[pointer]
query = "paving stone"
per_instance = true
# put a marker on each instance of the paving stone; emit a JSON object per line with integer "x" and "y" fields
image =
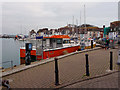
{"x": 71, "y": 69}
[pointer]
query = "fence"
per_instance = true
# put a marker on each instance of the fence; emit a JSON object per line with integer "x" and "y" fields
{"x": 11, "y": 62}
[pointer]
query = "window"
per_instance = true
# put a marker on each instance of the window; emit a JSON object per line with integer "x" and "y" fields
{"x": 82, "y": 40}
{"x": 66, "y": 41}
{"x": 59, "y": 41}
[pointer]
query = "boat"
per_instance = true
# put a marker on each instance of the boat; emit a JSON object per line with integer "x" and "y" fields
{"x": 49, "y": 47}
{"x": 86, "y": 43}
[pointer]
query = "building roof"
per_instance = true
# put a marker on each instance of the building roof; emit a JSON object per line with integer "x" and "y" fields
{"x": 116, "y": 22}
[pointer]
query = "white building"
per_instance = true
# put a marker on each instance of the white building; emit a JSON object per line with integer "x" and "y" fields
{"x": 33, "y": 36}
{"x": 112, "y": 35}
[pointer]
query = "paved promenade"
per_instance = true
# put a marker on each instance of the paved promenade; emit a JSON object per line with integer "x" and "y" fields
{"x": 71, "y": 70}
{"x": 108, "y": 81}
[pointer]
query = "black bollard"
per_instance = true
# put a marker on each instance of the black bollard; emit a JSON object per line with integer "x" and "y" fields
{"x": 56, "y": 72}
{"x": 91, "y": 43}
{"x": 87, "y": 65}
{"x": 111, "y": 61}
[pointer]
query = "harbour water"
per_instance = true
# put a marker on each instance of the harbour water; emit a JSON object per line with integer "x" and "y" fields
{"x": 10, "y": 51}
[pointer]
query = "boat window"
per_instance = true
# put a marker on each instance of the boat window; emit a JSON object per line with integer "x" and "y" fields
{"x": 53, "y": 40}
{"x": 72, "y": 42}
{"x": 82, "y": 40}
{"x": 82, "y": 44}
{"x": 63, "y": 41}
{"x": 59, "y": 41}
{"x": 66, "y": 41}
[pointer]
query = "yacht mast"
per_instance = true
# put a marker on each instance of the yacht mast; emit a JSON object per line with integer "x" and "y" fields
{"x": 73, "y": 27}
{"x": 85, "y": 31}
{"x": 76, "y": 28}
{"x": 80, "y": 22}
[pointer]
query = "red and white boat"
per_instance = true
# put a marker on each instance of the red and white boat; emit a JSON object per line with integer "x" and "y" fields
{"x": 52, "y": 46}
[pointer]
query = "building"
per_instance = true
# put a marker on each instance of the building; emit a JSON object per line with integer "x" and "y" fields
{"x": 32, "y": 34}
{"x": 115, "y": 26}
{"x": 42, "y": 32}
{"x": 90, "y": 31}
{"x": 67, "y": 30}
{"x": 114, "y": 29}
{"x": 84, "y": 30}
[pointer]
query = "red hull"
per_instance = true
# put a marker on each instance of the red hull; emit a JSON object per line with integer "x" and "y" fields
{"x": 49, "y": 54}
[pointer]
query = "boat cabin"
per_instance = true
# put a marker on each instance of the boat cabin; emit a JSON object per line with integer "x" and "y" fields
{"x": 56, "y": 41}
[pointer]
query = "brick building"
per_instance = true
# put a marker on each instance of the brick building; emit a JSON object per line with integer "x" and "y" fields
{"x": 115, "y": 26}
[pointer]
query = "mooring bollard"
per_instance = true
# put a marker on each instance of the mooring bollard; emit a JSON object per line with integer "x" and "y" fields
{"x": 111, "y": 61}
{"x": 28, "y": 48}
{"x": 56, "y": 72}
{"x": 91, "y": 43}
{"x": 87, "y": 65}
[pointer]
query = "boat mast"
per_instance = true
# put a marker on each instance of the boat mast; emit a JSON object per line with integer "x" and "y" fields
{"x": 80, "y": 22}
{"x": 73, "y": 27}
{"x": 76, "y": 28}
{"x": 80, "y": 17}
{"x": 85, "y": 31}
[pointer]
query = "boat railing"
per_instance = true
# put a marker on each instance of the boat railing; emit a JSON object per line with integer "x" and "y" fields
{"x": 11, "y": 62}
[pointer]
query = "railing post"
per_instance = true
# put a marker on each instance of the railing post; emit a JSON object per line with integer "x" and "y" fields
{"x": 111, "y": 60}
{"x": 87, "y": 66}
{"x": 56, "y": 72}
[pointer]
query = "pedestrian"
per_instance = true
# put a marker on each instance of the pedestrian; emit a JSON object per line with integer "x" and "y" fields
{"x": 107, "y": 43}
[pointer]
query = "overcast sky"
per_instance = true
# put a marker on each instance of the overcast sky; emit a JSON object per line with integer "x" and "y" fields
{"x": 21, "y": 17}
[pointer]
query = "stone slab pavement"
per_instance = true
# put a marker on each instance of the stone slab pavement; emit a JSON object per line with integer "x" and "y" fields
{"x": 71, "y": 69}
{"x": 109, "y": 81}
{"x": 22, "y": 67}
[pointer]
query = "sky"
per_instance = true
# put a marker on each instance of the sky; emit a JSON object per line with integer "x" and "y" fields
{"x": 119, "y": 11}
{"x": 21, "y": 17}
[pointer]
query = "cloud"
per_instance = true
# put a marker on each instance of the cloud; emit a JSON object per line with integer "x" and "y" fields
{"x": 53, "y": 14}
{"x": 59, "y": 0}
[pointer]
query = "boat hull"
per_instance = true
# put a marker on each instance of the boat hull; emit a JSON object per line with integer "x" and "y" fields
{"x": 48, "y": 53}
{"x": 88, "y": 47}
